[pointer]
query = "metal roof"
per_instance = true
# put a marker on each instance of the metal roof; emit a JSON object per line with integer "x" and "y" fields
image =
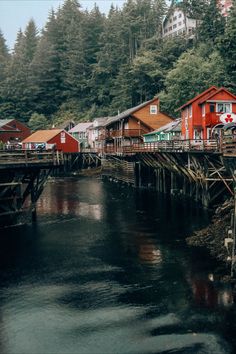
{"x": 42, "y": 136}
{"x": 5, "y": 122}
{"x": 81, "y": 127}
{"x": 172, "y": 126}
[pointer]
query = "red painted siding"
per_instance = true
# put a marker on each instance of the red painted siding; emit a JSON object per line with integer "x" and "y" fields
{"x": 194, "y": 121}
{"x": 70, "y": 144}
{"x": 19, "y": 131}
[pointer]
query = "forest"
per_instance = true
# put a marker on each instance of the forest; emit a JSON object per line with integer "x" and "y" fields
{"x": 85, "y": 64}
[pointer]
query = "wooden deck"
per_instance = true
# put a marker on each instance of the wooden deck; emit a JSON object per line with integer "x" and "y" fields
{"x": 20, "y": 158}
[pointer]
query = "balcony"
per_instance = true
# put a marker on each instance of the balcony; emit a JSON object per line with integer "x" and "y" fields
{"x": 212, "y": 118}
{"x": 127, "y": 133}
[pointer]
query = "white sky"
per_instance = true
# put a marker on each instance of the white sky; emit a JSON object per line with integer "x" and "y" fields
{"x": 15, "y": 14}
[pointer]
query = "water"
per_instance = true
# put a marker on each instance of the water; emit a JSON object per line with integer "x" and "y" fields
{"x": 106, "y": 270}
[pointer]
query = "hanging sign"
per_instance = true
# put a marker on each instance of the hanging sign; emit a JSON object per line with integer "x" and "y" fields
{"x": 228, "y": 118}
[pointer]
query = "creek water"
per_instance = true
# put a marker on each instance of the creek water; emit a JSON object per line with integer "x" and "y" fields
{"x": 106, "y": 269}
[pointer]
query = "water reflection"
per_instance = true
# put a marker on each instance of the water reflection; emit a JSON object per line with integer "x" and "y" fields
{"x": 211, "y": 294}
{"x": 66, "y": 201}
{"x": 116, "y": 277}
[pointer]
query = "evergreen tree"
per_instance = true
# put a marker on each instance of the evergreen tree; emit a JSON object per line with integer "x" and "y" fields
{"x": 194, "y": 72}
{"x": 227, "y": 48}
{"x": 213, "y": 24}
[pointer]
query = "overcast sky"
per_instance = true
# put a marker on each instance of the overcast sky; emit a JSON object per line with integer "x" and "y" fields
{"x": 15, "y": 14}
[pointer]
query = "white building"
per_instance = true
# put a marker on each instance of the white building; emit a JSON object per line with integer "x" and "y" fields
{"x": 176, "y": 23}
{"x": 224, "y": 6}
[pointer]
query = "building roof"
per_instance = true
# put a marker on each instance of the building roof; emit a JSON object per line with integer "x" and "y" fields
{"x": 100, "y": 122}
{"x": 174, "y": 126}
{"x": 208, "y": 91}
{"x": 212, "y": 94}
{"x": 42, "y": 136}
{"x": 81, "y": 127}
{"x": 4, "y": 122}
{"x": 128, "y": 112}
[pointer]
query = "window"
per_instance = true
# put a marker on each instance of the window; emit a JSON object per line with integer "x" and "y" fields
{"x": 190, "y": 110}
{"x": 224, "y": 107}
{"x": 212, "y": 107}
{"x": 180, "y": 15}
{"x": 153, "y": 109}
{"x": 175, "y": 18}
{"x": 180, "y": 23}
{"x": 174, "y": 26}
{"x": 203, "y": 110}
{"x": 170, "y": 28}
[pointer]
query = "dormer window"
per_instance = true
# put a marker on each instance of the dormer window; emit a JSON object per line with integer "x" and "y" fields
{"x": 224, "y": 107}
{"x": 153, "y": 109}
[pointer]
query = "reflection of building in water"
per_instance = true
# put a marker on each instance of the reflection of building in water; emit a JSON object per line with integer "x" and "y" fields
{"x": 143, "y": 246}
{"x": 149, "y": 253}
{"x": 211, "y": 294}
{"x": 63, "y": 201}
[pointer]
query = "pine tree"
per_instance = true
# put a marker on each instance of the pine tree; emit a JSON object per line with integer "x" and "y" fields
{"x": 227, "y": 48}
{"x": 213, "y": 24}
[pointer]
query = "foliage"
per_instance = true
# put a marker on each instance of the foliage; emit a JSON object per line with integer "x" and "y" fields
{"x": 38, "y": 122}
{"x": 85, "y": 65}
{"x": 201, "y": 69}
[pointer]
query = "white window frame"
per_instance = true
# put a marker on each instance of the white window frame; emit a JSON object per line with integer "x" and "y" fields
{"x": 208, "y": 133}
{"x": 153, "y": 109}
{"x": 224, "y": 104}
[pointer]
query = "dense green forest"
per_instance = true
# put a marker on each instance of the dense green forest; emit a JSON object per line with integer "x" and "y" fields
{"x": 85, "y": 64}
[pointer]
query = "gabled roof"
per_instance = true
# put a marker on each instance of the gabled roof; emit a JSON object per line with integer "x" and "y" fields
{"x": 128, "y": 112}
{"x": 172, "y": 126}
{"x": 208, "y": 91}
{"x": 42, "y": 136}
{"x": 81, "y": 127}
{"x": 100, "y": 122}
{"x": 4, "y": 122}
{"x": 212, "y": 94}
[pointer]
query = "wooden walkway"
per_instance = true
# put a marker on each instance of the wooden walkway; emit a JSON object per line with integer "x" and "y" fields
{"x": 19, "y": 158}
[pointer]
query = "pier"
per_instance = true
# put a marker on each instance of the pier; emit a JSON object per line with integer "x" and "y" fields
{"x": 23, "y": 175}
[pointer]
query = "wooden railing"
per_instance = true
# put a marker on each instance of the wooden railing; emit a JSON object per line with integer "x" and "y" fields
{"x": 128, "y": 133}
{"x": 228, "y": 145}
{"x": 165, "y": 145}
{"x": 29, "y": 156}
{"x": 174, "y": 145}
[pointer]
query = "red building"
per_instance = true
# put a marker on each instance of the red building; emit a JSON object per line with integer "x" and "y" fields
{"x": 58, "y": 139}
{"x": 211, "y": 108}
{"x": 13, "y": 131}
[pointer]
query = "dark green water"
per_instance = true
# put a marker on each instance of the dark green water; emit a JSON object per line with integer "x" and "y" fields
{"x": 106, "y": 270}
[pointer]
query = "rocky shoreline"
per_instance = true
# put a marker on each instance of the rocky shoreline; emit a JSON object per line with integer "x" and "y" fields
{"x": 213, "y": 236}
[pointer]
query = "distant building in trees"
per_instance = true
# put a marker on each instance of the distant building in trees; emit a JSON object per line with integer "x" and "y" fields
{"x": 224, "y": 6}
{"x": 177, "y": 23}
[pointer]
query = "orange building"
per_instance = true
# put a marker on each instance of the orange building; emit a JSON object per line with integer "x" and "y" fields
{"x": 211, "y": 108}
{"x": 128, "y": 127}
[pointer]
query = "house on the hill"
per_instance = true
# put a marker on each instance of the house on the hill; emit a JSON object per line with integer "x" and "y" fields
{"x": 57, "y": 139}
{"x": 13, "y": 131}
{"x": 206, "y": 112}
{"x": 128, "y": 127}
{"x": 178, "y": 23}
